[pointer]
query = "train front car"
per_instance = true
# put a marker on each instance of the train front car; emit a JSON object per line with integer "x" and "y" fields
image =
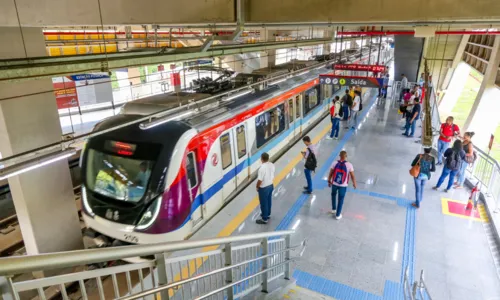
{"x": 133, "y": 189}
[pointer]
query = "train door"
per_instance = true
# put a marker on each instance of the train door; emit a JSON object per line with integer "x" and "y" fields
{"x": 241, "y": 154}
{"x": 298, "y": 116}
{"x": 228, "y": 165}
{"x": 194, "y": 185}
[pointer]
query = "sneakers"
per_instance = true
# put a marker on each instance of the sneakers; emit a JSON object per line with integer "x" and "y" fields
{"x": 329, "y": 138}
{"x": 333, "y": 211}
{"x": 336, "y": 138}
{"x": 307, "y": 192}
{"x": 261, "y": 222}
{"x": 338, "y": 217}
{"x": 414, "y": 205}
{"x": 445, "y": 190}
{"x": 435, "y": 188}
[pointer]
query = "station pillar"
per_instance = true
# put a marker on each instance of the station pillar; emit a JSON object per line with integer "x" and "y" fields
{"x": 268, "y": 57}
{"x": 481, "y": 115}
{"x": 43, "y": 198}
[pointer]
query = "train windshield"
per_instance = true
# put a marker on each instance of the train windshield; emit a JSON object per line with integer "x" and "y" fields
{"x": 117, "y": 177}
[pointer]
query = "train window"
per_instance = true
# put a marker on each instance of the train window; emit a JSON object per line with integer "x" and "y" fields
{"x": 290, "y": 110}
{"x": 310, "y": 100}
{"x": 297, "y": 107}
{"x": 225, "y": 150}
{"x": 269, "y": 124}
{"x": 191, "y": 170}
{"x": 241, "y": 141}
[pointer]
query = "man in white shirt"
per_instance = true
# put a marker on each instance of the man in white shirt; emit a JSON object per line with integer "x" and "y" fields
{"x": 355, "y": 110}
{"x": 338, "y": 180}
{"x": 265, "y": 188}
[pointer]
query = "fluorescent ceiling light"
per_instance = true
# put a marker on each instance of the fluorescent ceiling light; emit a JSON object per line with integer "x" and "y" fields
{"x": 35, "y": 163}
{"x": 159, "y": 121}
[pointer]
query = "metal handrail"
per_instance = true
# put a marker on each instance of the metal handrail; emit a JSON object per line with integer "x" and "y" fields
{"x": 177, "y": 283}
{"x": 33, "y": 263}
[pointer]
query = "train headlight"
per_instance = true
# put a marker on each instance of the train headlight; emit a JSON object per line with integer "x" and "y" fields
{"x": 85, "y": 202}
{"x": 150, "y": 215}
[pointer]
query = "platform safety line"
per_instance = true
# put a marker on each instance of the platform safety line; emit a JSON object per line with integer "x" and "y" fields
{"x": 194, "y": 264}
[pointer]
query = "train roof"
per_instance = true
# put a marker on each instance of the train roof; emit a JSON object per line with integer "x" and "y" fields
{"x": 160, "y": 102}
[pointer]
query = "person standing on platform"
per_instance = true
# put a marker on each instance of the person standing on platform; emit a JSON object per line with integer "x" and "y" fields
{"x": 454, "y": 157}
{"x": 427, "y": 165}
{"x": 338, "y": 180}
{"x": 355, "y": 110}
{"x": 346, "y": 104}
{"x": 386, "y": 85}
{"x": 470, "y": 157}
{"x": 265, "y": 178}
{"x": 411, "y": 118}
{"x": 335, "y": 112}
{"x": 404, "y": 87}
{"x": 310, "y": 163}
{"x": 447, "y": 132}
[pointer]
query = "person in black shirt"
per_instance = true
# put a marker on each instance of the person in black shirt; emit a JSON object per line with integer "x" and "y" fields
{"x": 346, "y": 104}
{"x": 411, "y": 118}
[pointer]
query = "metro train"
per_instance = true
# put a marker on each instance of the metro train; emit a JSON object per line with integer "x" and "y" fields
{"x": 163, "y": 183}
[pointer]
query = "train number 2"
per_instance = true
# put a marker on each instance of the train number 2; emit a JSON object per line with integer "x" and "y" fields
{"x": 131, "y": 238}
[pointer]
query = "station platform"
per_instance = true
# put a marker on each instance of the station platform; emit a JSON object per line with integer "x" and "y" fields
{"x": 364, "y": 255}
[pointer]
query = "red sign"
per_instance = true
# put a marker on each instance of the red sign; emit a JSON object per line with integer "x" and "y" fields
{"x": 161, "y": 68}
{"x": 356, "y": 67}
{"x": 65, "y": 93}
{"x": 175, "y": 79}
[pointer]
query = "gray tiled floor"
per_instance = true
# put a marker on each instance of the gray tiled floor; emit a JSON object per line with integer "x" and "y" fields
{"x": 365, "y": 248}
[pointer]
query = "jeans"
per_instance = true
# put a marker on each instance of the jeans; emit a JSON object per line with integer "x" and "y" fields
{"x": 341, "y": 190}
{"x": 442, "y": 146}
{"x": 265, "y": 200}
{"x": 408, "y": 126}
{"x": 354, "y": 119}
{"x": 447, "y": 172}
{"x": 419, "y": 189}
{"x": 345, "y": 108}
{"x": 335, "y": 127}
{"x": 461, "y": 174}
{"x": 307, "y": 172}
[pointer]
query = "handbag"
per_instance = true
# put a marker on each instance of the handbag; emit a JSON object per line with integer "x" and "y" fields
{"x": 415, "y": 170}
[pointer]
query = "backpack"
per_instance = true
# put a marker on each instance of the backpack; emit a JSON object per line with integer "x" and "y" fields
{"x": 453, "y": 161}
{"x": 341, "y": 112}
{"x": 311, "y": 162}
{"x": 360, "y": 103}
{"x": 425, "y": 166}
{"x": 340, "y": 173}
{"x": 349, "y": 101}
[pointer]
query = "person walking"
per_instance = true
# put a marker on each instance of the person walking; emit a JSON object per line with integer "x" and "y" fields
{"x": 470, "y": 157}
{"x": 454, "y": 157}
{"x": 411, "y": 118}
{"x": 335, "y": 115}
{"x": 427, "y": 165}
{"x": 355, "y": 110}
{"x": 346, "y": 103}
{"x": 310, "y": 163}
{"x": 265, "y": 178}
{"x": 338, "y": 180}
{"x": 447, "y": 132}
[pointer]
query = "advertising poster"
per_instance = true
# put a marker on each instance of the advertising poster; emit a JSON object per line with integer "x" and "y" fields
{"x": 65, "y": 92}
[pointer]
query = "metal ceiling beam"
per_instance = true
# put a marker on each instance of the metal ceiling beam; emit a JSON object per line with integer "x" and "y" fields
{"x": 48, "y": 67}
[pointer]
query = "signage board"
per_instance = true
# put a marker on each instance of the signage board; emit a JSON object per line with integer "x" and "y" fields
{"x": 356, "y": 67}
{"x": 367, "y": 82}
{"x": 65, "y": 92}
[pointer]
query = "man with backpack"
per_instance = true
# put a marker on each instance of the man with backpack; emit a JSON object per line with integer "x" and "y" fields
{"x": 346, "y": 104}
{"x": 310, "y": 163}
{"x": 338, "y": 180}
{"x": 454, "y": 157}
{"x": 336, "y": 114}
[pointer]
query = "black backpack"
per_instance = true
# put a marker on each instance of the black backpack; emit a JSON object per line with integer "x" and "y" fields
{"x": 360, "y": 103}
{"x": 311, "y": 162}
{"x": 454, "y": 161}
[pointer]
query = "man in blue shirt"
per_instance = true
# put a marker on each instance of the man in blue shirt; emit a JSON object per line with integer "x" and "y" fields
{"x": 386, "y": 85}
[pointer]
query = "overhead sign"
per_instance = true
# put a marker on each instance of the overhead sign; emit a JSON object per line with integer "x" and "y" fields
{"x": 356, "y": 67}
{"x": 369, "y": 82}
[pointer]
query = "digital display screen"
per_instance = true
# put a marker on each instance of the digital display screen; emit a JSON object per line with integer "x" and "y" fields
{"x": 120, "y": 148}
